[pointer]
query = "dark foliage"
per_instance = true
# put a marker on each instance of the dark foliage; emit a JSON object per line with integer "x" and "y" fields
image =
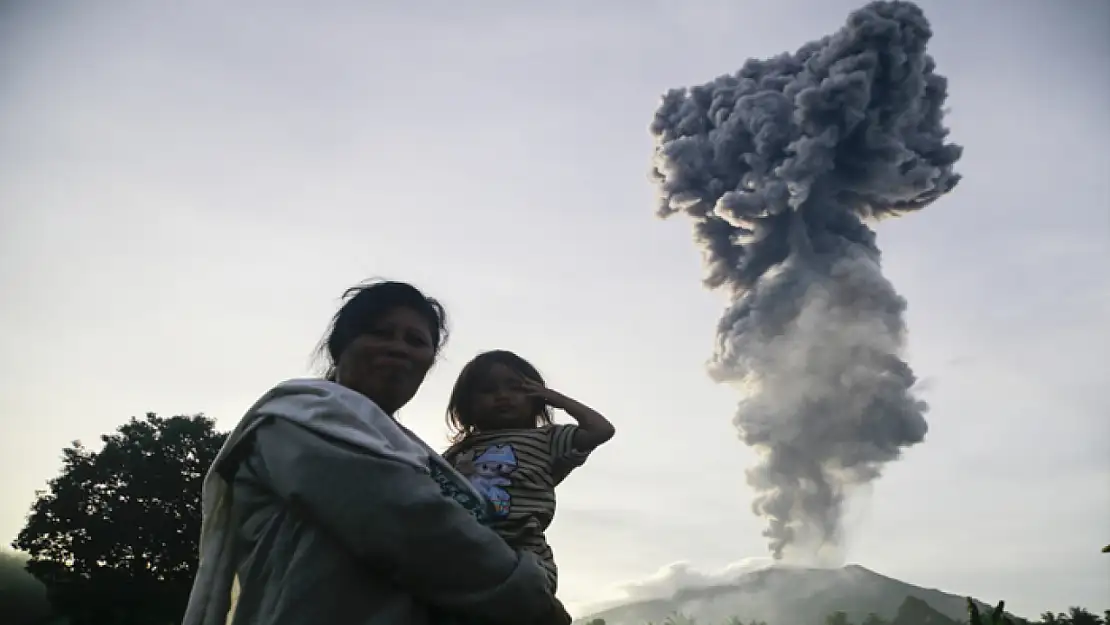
{"x": 114, "y": 537}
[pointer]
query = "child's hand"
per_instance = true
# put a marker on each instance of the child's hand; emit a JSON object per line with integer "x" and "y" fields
{"x": 552, "y": 398}
{"x": 593, "y": 429}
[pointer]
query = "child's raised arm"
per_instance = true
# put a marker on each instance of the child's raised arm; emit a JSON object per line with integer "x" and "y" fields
{"x": 593, "y": 428}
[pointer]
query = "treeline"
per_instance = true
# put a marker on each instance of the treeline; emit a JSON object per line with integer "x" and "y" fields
{"x": 113, "y": 538}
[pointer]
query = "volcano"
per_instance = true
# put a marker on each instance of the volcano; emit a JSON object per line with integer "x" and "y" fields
{"x": 787, "y": 595}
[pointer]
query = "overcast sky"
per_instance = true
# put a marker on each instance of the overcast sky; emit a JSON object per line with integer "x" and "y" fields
{"x": 186, "y": 188}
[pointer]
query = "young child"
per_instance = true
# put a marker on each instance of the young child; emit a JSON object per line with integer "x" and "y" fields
{"x": 506, "y": 442}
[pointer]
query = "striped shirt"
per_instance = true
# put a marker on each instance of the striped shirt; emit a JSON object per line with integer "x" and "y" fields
{"x": 517, "y": 470}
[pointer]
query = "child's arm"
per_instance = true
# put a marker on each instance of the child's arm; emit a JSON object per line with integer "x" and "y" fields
{"x": 593, "y": 429}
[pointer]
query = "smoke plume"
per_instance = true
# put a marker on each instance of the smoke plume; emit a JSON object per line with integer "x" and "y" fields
{"x": 779, "y": 165}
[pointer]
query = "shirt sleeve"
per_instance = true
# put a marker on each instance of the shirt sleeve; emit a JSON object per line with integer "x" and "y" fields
{"x": 564, "y": 457}
{"x": 396, "y": 520}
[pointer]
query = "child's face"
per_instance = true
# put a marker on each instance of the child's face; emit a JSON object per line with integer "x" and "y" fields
{"x": 500, "y": 400}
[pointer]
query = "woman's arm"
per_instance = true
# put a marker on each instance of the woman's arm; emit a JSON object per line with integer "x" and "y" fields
{"x": 397, "y": 521}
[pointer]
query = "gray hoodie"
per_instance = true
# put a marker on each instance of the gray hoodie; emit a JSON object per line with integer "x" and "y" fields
{"x": 325, "y": 531}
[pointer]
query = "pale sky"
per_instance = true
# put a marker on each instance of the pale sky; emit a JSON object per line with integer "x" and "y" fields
{"x": 186, "y": 188}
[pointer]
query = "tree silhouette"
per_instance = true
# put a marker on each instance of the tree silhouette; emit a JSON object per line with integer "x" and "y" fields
{"x": 114, "y": 537}
{"x": 997, "y": 616}
{"x": 1082, "y": 616}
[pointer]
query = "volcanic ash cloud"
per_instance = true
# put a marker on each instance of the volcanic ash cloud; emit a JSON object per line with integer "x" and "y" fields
{"x": 780, "y": 166}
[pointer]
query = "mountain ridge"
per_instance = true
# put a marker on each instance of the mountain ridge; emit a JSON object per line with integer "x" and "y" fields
{"x": 788, "y": 595}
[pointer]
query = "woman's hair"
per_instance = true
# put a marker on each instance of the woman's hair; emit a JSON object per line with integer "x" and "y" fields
{"x": 365, "y": 304}
{"x": 460, "y": 419}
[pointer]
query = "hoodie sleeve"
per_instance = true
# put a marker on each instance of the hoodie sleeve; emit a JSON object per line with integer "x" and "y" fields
{"x": 396, "y": 520}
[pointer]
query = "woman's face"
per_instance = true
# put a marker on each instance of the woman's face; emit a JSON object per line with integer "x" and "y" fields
{"x": 389, "y": 362}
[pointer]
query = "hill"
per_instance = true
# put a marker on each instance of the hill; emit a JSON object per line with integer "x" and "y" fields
{"x": 790, "y": 596}
{"x": 22, "y": 597}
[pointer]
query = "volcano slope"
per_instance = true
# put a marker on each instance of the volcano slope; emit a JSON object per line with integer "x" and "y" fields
{"x": 785, "y": 595}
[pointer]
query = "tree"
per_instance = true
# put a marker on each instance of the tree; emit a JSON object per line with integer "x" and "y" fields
{"x": 115, "y": 536}
{"x": 1082, "y": 616}
{"x": 997, "y": 616}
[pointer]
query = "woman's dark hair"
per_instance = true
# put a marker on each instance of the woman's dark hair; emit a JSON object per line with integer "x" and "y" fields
{"x": 365, "y": 304}
{"x": 460, "y": 420}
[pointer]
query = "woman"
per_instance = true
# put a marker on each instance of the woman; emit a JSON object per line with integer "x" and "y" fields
{"x": 324, "y": 509}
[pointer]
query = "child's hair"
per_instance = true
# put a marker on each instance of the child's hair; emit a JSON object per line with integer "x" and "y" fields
{"x": 460, "y": 421}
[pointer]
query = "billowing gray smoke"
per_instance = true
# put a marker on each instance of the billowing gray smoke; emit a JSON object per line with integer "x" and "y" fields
{"x": 779, "y": 165}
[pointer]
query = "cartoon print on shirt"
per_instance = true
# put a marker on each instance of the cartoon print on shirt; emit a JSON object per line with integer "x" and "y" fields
{"x": 489, "y": 471}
